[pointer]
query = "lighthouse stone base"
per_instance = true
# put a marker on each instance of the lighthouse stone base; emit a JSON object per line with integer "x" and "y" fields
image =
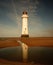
{"x": 24, "y": 35}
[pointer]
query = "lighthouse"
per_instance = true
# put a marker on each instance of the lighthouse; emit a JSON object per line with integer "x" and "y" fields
{"x": 25, "y": 24}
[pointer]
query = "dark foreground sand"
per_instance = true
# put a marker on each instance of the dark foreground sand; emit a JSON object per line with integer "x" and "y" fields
{"x": 6, "y": 62}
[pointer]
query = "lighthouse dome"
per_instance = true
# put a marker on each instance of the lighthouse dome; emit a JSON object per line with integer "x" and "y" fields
{"x": 24, "y": 12}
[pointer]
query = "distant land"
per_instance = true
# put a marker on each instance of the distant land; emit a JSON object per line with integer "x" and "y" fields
{"x": 31, "y": 41}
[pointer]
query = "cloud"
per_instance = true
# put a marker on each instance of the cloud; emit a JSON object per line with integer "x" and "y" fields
{"x": 38, "y": 29}
{"x": 37, "y": 2}
{"x": 50, "y": 32}
{"x": 42, "y": 33}
{"x": 11, "y": 19}
{"x": 8, "y": 31}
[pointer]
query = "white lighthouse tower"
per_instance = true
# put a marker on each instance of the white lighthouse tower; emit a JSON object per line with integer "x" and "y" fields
{"x": 25, "y": 24}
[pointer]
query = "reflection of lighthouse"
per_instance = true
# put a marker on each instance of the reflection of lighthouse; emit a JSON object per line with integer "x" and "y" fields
{"x": 25, "y": 25}
{"x": 24, "y": 51}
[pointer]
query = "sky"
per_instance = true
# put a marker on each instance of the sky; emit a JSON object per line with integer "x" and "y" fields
{"x": 40, "y": 21}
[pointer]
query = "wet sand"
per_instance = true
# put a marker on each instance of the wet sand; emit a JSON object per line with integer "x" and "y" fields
{"x": 31, "y": 41}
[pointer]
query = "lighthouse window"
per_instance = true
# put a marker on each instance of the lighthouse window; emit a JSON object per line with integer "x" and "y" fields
{"x": 25, "y": 28}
